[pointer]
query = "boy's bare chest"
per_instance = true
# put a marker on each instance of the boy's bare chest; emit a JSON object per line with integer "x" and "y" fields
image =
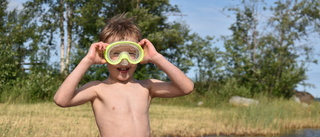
{"x": 125, "y": 99}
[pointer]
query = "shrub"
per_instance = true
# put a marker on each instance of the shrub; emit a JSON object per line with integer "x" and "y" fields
{"x": 34, "y": 87}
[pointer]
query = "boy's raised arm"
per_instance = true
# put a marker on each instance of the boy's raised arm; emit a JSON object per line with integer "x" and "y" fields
{"x": 67, "y": 95}
{"x": 180, "y": 84}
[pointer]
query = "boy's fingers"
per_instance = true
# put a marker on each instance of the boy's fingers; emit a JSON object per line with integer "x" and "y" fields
{"x": 100, "y": 46}
{"x": 142, "y": 42}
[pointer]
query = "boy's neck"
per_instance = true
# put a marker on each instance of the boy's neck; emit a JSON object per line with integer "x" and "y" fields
{"x": 113, "y": 81}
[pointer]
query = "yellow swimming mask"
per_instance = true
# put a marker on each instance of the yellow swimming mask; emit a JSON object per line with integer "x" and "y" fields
{"x": 123, "y": 51}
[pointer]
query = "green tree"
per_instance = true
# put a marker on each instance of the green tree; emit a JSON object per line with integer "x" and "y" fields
{"x": 269, "y": 58}
{"x": 19, "y": 46}
{"x": 206, "y": 58}
{"x": 15, "y": 31}
{"x": 292, "y": 22}
{"x": 169, "y": 38}
{"x": 49, "y": 18}
{"x": 56, "y": 22}
{"x": 243, "y": 47}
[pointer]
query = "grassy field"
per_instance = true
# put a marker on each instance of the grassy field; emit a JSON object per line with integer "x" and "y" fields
{"x": 270, "y": 117}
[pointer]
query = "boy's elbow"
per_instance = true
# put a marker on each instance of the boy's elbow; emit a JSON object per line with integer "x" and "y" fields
{"x": 189, "y": 89}
{"x": 59, "y": 102}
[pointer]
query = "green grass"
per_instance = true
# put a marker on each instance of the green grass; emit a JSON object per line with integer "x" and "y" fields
{"x": 269, "y": 117}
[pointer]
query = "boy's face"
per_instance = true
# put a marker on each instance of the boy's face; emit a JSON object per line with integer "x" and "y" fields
{"x": 122, "y": 73}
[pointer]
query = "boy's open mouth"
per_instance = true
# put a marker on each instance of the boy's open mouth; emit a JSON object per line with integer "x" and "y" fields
{"x": 123, "y": 70}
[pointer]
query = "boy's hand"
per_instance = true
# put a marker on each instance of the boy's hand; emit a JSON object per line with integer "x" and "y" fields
{"x": 150, "y": 52}
{"x": 95, "y": 54}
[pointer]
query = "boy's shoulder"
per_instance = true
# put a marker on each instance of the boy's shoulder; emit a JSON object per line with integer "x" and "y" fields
{"x": 94, "y": 83}
{"x": 149, "y": 82}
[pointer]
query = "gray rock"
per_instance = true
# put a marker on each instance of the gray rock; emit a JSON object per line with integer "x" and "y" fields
{"x": 242, "y": 101}
{"x": 303, "y": 97}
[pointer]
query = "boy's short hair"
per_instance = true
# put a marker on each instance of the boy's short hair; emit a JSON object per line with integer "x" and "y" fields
{"x": 120, "y": 28}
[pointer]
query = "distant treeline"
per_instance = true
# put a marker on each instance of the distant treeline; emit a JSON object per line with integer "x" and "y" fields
{"x": 268, "y": 51}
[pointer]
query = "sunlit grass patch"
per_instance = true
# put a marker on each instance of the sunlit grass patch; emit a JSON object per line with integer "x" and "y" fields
{"x": 269, "y": 117}
{"x": 46, "y": 119}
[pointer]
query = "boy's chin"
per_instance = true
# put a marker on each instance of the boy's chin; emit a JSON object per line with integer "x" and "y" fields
{"x": 124, "y": 78}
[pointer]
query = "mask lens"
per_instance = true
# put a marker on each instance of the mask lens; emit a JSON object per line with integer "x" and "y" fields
{"x": 116, "y": 51}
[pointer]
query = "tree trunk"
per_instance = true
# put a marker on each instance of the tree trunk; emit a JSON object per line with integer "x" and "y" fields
{"x": 62, "y": 52}
{"x": 69, "y": 31}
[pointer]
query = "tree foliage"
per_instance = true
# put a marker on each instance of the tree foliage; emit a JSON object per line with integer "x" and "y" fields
{"x": 268, "y": 58}
{"x": 19, "y": 39}
{"x": 14, "y": 27}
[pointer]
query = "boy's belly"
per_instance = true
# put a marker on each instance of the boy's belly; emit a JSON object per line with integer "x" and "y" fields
{"x": 123, "y": 125}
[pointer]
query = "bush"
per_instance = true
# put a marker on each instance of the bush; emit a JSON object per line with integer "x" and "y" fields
{"x": 208, "y": 94}
{"x": 232, "y": 88}
{"x": 34, "y": 87}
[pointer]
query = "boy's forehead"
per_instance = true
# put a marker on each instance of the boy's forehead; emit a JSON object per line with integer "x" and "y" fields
{"x": 124, "y": 47}
{"x": 112, "y": 40}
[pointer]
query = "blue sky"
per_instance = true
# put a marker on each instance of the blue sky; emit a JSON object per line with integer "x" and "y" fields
{"x": 206, "y": 17}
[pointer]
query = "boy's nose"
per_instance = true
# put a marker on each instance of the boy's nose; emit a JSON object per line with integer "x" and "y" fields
{"x": 124, "y": 62}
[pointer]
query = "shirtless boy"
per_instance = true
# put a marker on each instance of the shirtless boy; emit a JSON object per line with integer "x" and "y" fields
{"x": 121, "y": 103}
